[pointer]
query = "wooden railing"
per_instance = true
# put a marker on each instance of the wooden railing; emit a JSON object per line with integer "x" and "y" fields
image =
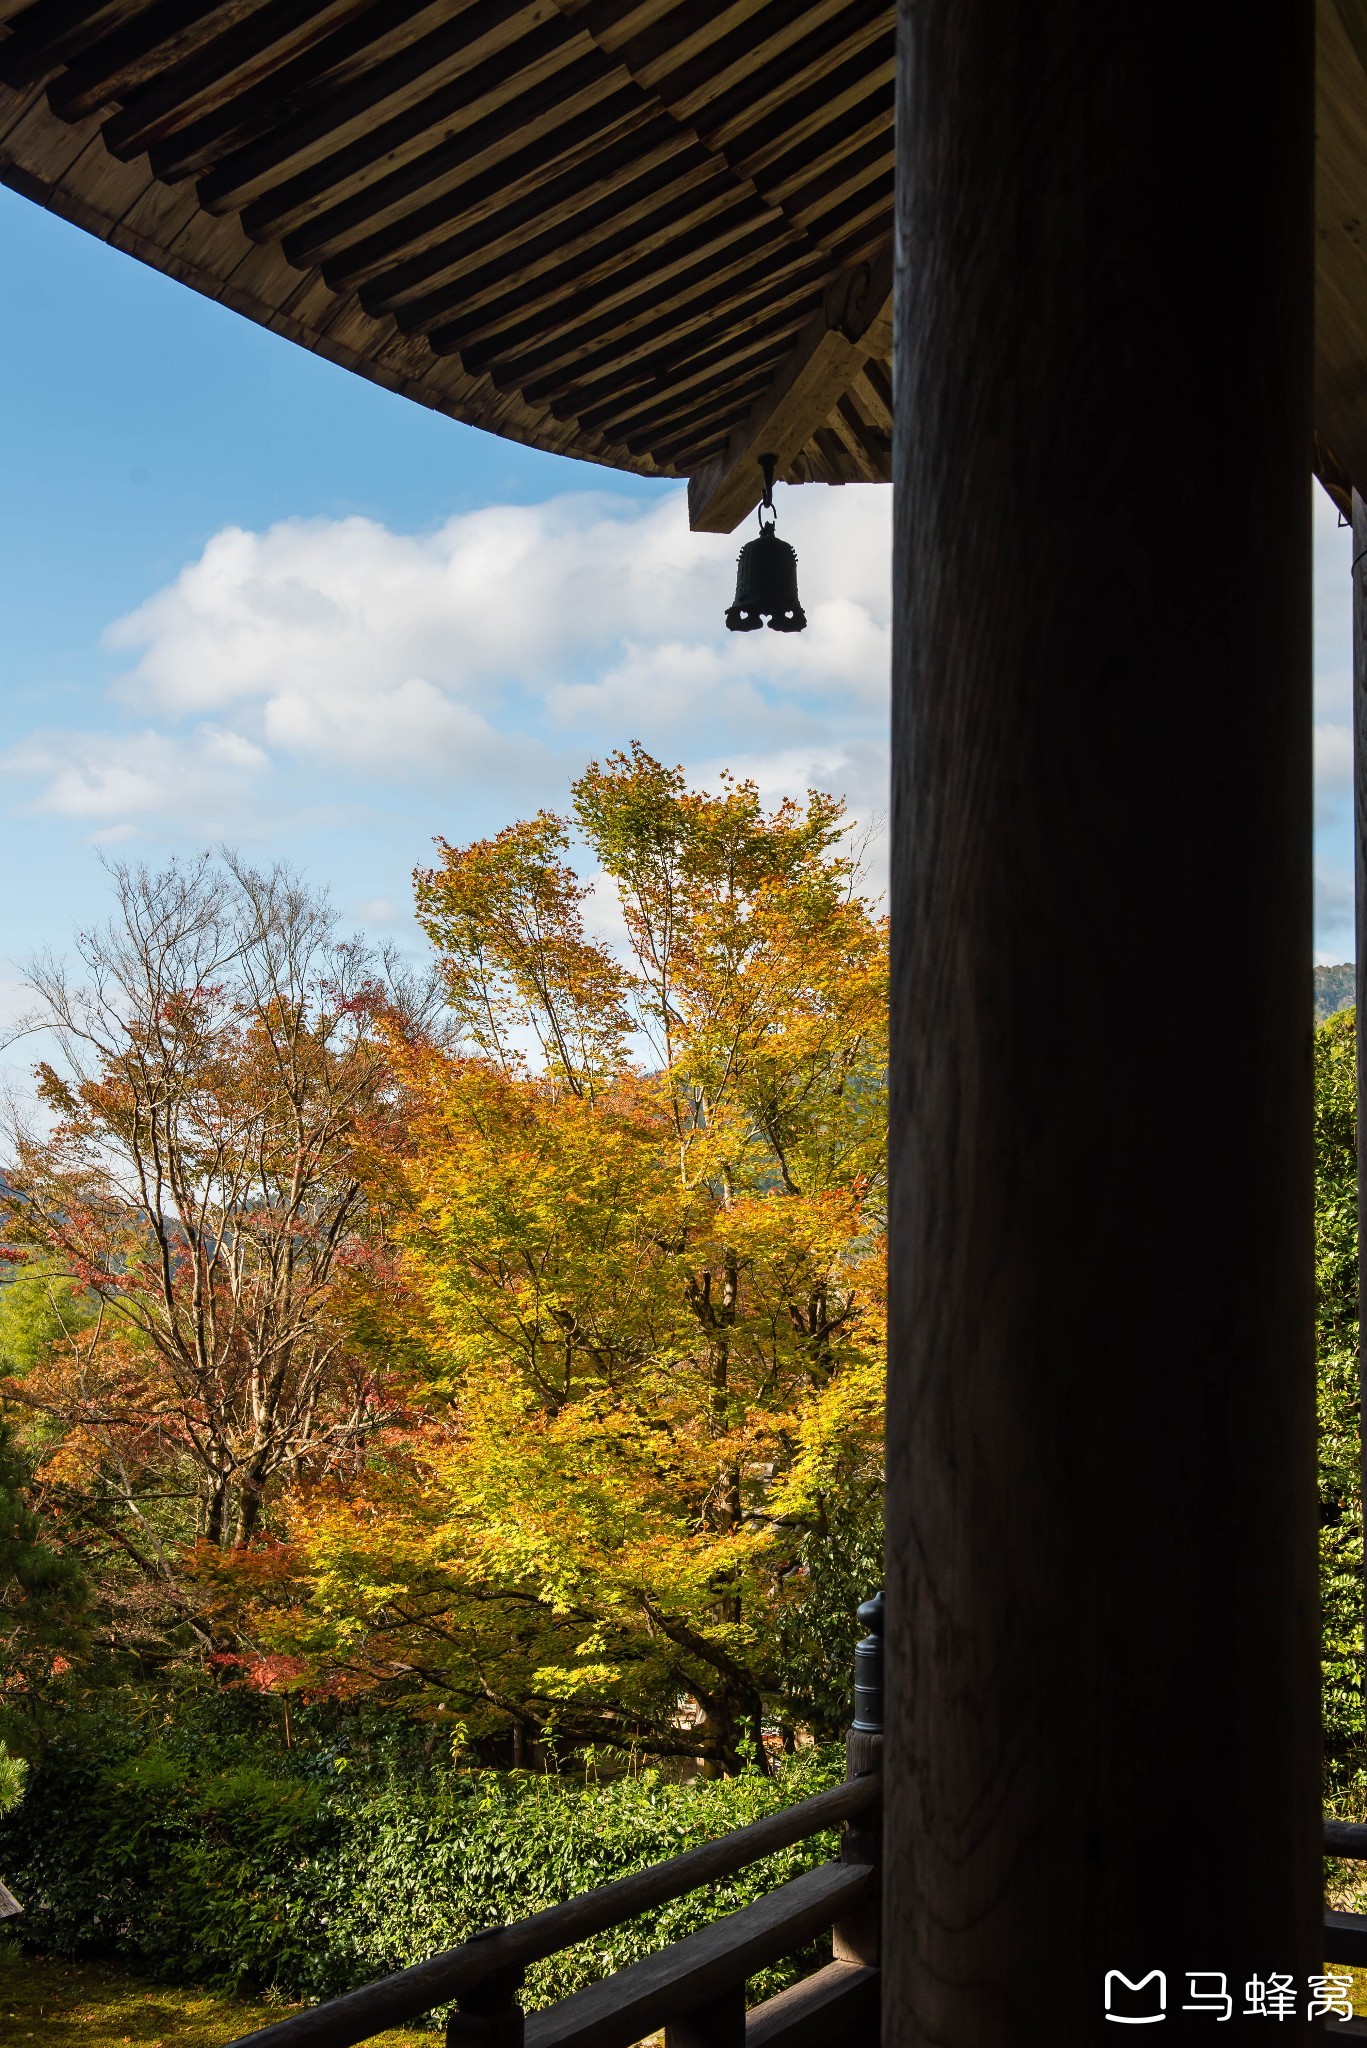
{"x": 695, "y": 1988}
{"x": 1345, "y": 1934}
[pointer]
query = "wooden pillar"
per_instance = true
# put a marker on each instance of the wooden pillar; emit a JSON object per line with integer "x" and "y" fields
{"x": 1360, "y": 953}
{"x": 1102, "y": 1706}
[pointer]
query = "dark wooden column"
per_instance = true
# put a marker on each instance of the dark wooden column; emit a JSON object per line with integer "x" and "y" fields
{"x": 1102, "y": 1691}
{"x": 1360, "y": 945}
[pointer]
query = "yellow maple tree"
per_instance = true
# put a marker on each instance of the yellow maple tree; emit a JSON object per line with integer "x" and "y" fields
{"x": 640, "y": 1211}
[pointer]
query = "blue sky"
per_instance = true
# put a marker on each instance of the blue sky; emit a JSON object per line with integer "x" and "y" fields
{"x": 250, "y": 598}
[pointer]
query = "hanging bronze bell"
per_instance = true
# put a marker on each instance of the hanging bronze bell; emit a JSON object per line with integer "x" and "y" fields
{"x": 766, "y": 575}
{"x": 766, "y": 587}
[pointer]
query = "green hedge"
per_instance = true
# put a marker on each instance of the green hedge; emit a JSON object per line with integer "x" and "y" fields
{"x": 241, "y": 1878}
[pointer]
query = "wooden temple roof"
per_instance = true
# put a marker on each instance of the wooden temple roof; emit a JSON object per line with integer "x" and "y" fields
{"x": 654, "y": 234}
{"x": 648, "y": 233}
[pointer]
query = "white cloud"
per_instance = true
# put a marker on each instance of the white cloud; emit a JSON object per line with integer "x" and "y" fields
{"x": 1333, "y": 772}
{"x": 490, "y": 656}
{"x": 1333, "y": 914}
{"x": 1333, "y": 752}
{"x": 407, "y": 728}
{"x": 1333, "y": 733}
{"x": 663, "y": 692}
{"x": 467, "y": 673}
{"x": 1333, "y": 610}
{"x": 1333, "y": 659}
{"x": 379, "y": 912}
{"x": 328, "y": 613}
{"x": 112, "y": 783}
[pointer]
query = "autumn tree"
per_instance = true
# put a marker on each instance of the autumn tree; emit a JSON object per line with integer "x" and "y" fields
{"x": 191, "y": 1196}
{"x": 641, "y": 1214}
{"x": 42, "y": 1597}
{"x": 1339, "y": 1397}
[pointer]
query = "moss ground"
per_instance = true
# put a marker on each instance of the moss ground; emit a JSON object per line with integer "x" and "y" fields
{"x": 1359, "y": 1991}
{"x": 86, "y": 2005}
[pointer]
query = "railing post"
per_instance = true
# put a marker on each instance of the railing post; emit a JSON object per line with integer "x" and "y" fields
{"x": 856, "y": 1938}
{"x": 489, "y": 2014}
{"x": 718, "y": 2024}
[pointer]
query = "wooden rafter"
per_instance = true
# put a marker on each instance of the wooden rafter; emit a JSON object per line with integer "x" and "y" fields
{"x": 853, "y": 325}
{"x": 594, "y": 225}
{"x": 605, "y": 227}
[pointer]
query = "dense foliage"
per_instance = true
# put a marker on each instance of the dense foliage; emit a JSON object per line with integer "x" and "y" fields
{"x": 503, "y": 1379}
{"x": 1335, "y": 989}
{"x": 190, "y": 1202}
{"x": 42, "y": 1602}
{"x": 231, "y": 1872}
{"x": 638, "y": 1207}
{"x": 1340, "y": 1477}
{"x": 513, "y": 1357}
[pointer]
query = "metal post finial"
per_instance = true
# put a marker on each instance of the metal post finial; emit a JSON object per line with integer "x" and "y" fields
{"x": 868, "y": 1669}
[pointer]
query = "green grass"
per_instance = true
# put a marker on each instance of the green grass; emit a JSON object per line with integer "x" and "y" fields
{"x": 87, "y": 2005}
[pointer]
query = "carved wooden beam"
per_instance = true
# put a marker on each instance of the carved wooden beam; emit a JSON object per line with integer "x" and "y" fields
{"x": 854, "y": 323}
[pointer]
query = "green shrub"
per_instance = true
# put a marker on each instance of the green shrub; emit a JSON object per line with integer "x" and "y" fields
{"x": 1340, "y": 1482}
{"x": 243, "y": 1879}
{"x": 13, "y": 1772}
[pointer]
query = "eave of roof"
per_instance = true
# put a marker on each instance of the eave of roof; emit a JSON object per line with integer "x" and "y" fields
{"x": 1341, "y": 246}
{"x": 608, "y": 228}
{"x": 647, "y": 233}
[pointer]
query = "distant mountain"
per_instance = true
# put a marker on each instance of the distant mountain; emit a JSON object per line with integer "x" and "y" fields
{"x": 1335, "y": 989}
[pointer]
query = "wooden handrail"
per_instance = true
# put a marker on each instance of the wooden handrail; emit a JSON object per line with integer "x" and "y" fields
{"x": 356, "y": 2015}
{"x": 714, "y": 1961}
{"x": 1345, "y": 1939}
{"x": 839, "y": 2003}
{"x": 1345, "y": 1934}
{"x": 692, "y": 1972}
